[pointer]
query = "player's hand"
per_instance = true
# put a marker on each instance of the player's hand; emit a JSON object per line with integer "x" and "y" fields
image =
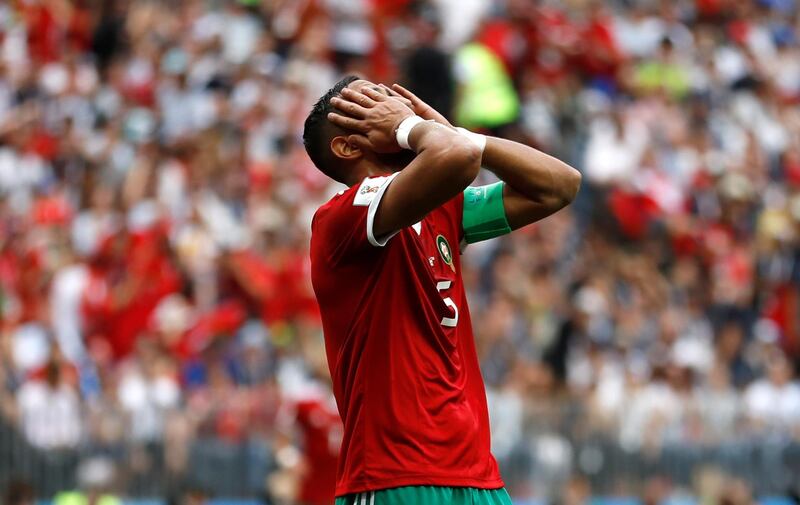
{"x": 372, "y": 115}
{"x": 419, "y": 107}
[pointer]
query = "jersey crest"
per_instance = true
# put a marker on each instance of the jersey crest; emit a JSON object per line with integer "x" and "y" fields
{"x": 445, "y": 252}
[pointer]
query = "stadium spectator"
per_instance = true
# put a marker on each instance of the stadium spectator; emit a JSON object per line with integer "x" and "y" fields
{"x": 155, "y": 202}
{"x": 773, "y": 402}
{"x": 19, "y": 492}
{"x": 49, "y": 409}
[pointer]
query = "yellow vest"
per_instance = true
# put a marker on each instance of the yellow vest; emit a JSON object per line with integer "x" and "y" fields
{"x": 487, "y": 96}
{"x": 78, "y": 498}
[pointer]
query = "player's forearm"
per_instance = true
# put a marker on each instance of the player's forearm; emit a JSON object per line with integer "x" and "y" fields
{"x": 445, "y": 164}
{"x": 537, "y": 176}
{"x": 445, "y": 159}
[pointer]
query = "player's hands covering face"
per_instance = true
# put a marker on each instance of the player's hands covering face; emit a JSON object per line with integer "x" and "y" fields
{"x": 419, "y": 107}
{"x": 372, "y": 116}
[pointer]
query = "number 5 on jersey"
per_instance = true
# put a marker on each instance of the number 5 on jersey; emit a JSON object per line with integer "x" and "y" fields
{"x": 450, "y": 322}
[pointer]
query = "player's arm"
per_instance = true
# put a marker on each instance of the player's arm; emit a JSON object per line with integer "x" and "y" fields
{"x": 445, "y": 164}
{"x": 534, "y": 185}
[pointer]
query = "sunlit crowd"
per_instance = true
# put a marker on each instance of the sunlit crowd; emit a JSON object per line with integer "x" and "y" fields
{"x": 156, "y": 199}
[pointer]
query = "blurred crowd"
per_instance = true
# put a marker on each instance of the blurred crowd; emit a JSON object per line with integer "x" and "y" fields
{"x": 155, "y": 202}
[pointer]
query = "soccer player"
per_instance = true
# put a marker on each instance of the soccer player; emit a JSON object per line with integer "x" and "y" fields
{"x": 309, "y": 405}
{"x": 386, "y": 271}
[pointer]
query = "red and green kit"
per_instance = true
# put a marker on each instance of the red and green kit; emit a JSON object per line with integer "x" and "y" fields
{"x": 399, "y": 341}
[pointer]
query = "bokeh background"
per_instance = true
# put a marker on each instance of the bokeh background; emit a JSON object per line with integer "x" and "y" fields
{"x": 160, "y": 342}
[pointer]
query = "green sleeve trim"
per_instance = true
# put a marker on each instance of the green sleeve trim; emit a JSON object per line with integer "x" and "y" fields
{"x": 484, "y": 215}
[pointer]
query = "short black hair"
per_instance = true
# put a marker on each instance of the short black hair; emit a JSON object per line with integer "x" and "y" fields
{"x": 318, "y": 131}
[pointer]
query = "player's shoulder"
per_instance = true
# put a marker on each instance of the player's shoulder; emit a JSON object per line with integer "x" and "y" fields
{"x": 357, "y": 195}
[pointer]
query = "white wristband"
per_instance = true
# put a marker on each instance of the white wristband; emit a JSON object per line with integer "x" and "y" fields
{"x": 404, "y": 130}
{"x": 476, "y": 138}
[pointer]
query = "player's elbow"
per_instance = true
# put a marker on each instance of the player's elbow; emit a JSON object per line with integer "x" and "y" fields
{"x": 569, "y": 182}
{"x": 464, "y": 162}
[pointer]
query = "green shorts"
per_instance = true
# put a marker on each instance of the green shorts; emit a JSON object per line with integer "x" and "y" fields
{"x": 428, "y": 495}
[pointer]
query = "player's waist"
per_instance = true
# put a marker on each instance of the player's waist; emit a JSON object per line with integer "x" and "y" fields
{"x": 359, "y": 485}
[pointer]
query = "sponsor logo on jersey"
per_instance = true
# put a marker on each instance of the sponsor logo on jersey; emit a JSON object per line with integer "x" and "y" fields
{"x": 445, "y": 252}
{"x": 369, "y": 189}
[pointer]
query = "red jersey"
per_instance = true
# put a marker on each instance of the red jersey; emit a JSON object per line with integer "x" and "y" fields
{"x": 400, "y": 347}
{"x": 322, "y": 436}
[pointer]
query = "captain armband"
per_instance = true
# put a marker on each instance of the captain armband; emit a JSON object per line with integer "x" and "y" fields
{"x": 484, "y": 215}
